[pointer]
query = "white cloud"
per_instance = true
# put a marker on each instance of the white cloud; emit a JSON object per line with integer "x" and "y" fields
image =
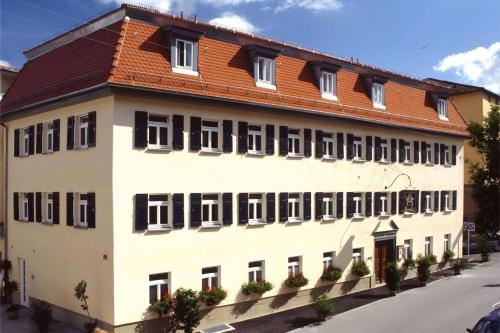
{"x": 5, "y": 63}
{"x": 314, "y": 5}
{"x": 479, "y": 66}
{"x": 234, "y": 21}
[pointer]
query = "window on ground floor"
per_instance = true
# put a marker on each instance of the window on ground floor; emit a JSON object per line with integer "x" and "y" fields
{"x": 159, "y": 285}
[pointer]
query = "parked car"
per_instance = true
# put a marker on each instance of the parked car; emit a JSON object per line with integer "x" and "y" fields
{"x": 474, "y": 248}
{"x": 489, "y": 323}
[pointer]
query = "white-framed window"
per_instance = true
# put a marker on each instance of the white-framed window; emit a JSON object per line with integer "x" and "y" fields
{"x": 48, "y": 207}
{"x": 408, "y": 249}
{"x": 210, "y": 206}
{"x": 23, "y": 202}
{"x": 294, "y": 207}
{"x": 384, "y": 204}
{"x": 210, "y": 277}
{"x": 83, "y": 131}
{"x": 159, "y": 285}
{"x": 428, "y": 154}
{"x": 447, "y": 201}
{"x": 429, "y": 202}
{"x": 210, "y": 135}
{"x": 446, "y": 155}
{"x": 265, "y": 70}
{"x": 158, "y": 211}
{"x": 358, "y": 205}
{"x": 357, "y": 255}
{"x": 256, "y": 271}
{"x": 328, "y": 85}
{"x": 428, "y": 245}
{"x": 328, "y": 145}
{"x": 81, "y": 211}
{"x": 158, "y": 131}
{"x": 378, "y": 95}
{"x": 447, "y": 242}
{"x": 327, "y": 260}
{"x": 255, "y": 208}
{"x": 329, "y": 205}
{"x": 442, "y": 106}
{"x": 358, "y": 149}
{"x": 407, "y": 153}
{"x": 294, "y": 266}
{"x": 185, "y": 54}
{"x": 293, "y": 142}
{"x": 384, "y": 151}
{"x": 48, "y": 145}
{"x": 25, "y": 142}
{"x": 255, "y": 139}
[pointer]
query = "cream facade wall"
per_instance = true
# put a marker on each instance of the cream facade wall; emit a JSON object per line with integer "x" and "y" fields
{"x": 186, "y": 251}
{"x": 59, "y": 256}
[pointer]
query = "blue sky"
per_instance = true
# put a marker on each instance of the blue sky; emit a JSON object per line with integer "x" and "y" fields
{"x": 456, "y": 40}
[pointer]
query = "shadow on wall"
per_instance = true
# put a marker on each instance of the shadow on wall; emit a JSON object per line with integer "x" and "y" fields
{"x": 150, "y": 324}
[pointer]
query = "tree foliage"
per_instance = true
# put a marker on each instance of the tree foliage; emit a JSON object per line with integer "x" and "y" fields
{"x": 485, "y": 176}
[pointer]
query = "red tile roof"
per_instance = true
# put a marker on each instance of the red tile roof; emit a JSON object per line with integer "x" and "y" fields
{"x": 134, "y": 53}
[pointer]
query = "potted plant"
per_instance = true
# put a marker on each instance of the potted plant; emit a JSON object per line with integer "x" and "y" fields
{"x": 256, "y": 287}
{"x": 81, "y": 295}
{"x": 13, "y": 311}
{"x": 163, "y": 306}
{"x": 484, "y": 246}
{"x": 432, "y": 258}
{"x": 41, "y": 316}
{"x": 186, "y": 310}
{"x": 332, "y": 273}
{"x": 392, "y": 277}
{"x": 459, "y": 264}
{"x": 424, "y": 269}
{"x": 360, "y": 268}
{"x": 296, "y": 281}
{"x": 448, "y": 256}
{"x": 212, "y": 296}
{"x": 323, "y": 306}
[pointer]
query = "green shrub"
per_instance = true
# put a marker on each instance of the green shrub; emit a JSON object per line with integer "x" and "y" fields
{"x": 256, "y": 287}
{"x": 460, "y": 263}
{"x": 213, "y": 296}
{"x": 332, "y": 274}
{"x": 187, "y": 310}
{"x": 448, "y": 255}
{"x": 360, "y": 269}
{"x": 409, "y": 263}
{"x": 296, "y": 281}
{"x": 163, "y": 306}
{"x": 424, "y": 268}
{"x": 323, "y": 306}
{"x": 432, "y": 258}
{"x": 393, "y": 276}
{"x": 41, "y": 316}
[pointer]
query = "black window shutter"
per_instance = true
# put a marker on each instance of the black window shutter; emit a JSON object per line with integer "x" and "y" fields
{"x": 369, "y": 148}
{"x": 283, "y": 141}
{"x": 378, "y": 149}
{"x": 141, "y": 212}
{"x": 443, "y": 200}
{"x": 39, "y": 136}
{"x": 195, "y": 135}
{"x": 57, "y": 135}
{"x": 178, "y": 203}
{"x": 368, "y": 204}
{"x": 436, "y": 153}
{"x": 38, "y": 206}
{"x": 16, "y": 142}
{"x": 178, "y": 135}
{"x": 340, "y": 205}
{"x": 307, "y": 142}
{"x": 454, "y": 200}
{"x": 318, "y": 207}
{"x": 92, "y": 129}
{"x": 394, "y": 203}
{"x": 350, "y": 148}
{"x": 243, "y": 137}
{"x": 69, "y": 209}
{"x": 423, "y": 152}
{"x": 350, "y": 204}
{"x": 283, "y": 207}
{"x": 416, "y": 153}
{"x": 270, "y": 139}
{"x": 423, "y": 201}
{"x": 70, "y": 137}
{"x": 376, "y": 210}
{"x": 55, "y": 207}
{"x": 227, "y": 208}
{"x": 417, "y": 198}
{"x": 436, "y": 201}
{"x": 453, "y": 155}
{"x": 31, "y": 207}
{"x": 340, "y": 146}
{"x": 271, "y": 207}
{"x": 307, "y": 206}
{"x": 394, "y": 150}
{"x": 441, "y": 154}
{"x": 401, "y": 151}
{"x": 243, "y": 208}
{"x": 16, "y": 206}
{"x": 402, "y": 203}
{"x": 227, "y": 140}
{"x": 319, "y": 144}
{"x": 91, "y": 210}
{"x": 31, "y": 133}
{"x": 141, "y": 130}
{"x": 195, "y": 209}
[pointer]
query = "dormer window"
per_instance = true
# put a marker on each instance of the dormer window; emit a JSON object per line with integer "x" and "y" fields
{"x": 442, "y": 107}
{"x": 264, "y": 65}
{"x": 184, "y": 54}
{"x": 266, "y": 72}
{"x": 378, "y": 95}
{"x": 183, "y": 49}
{"x": 328, "y": 85}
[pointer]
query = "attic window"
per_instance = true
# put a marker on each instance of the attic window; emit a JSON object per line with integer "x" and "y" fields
{"x": 184, "y": 54}
{"x": 328, "y": 85}
{"x": 378, "y": 97}
{"x": 442, "y": 107}
{"x": 183, "y": 44}
{"x": 263, "y": 65}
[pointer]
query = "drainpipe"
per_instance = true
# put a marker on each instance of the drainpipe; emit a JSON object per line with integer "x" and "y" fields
{"x": 5, "y": 193}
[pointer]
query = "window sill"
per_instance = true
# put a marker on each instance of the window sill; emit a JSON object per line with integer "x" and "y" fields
{"x": 294, "y": 156}
{"x": 379, "y": 106}
{"x": 211, "y": 151}
{"x": 255, "y": 153}
{"x": 384, "y": 215}
{"x": 358, "y": 217}
{"x": 443, "y": 118}
{"x": 211, "y": 226}
{"x": 159, "y": 148}
{"x": 294, "y": 220}
{"x": 447, "y": 211}
{"x": 265, "y": 85}
{"x": 47, "y": 223}
{"x": 78, "y": 226}
{"x": 23, "y": 220}
{"x": 407, "y": 163}
{"x": 47, "y": 152}
{"x": 408, "y": 213}
{"x": 186, "y": 71}
{"x": 330, "y": 97}
{"x": 154, "y": 228}
{"x": 428, "y": 212}
{"x": 328, "y": 158}
{"x": 257, "y": 222}
{"x": 429, "y": 164}
{"x": 447, "y": 165}
{"x": 384, "y": 162}
{"x": 358, "y": 160}
{"x": 23, "y": 155}
{"x": 329, "y": 218}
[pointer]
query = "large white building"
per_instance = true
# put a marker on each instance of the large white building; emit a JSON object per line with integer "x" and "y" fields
{"x": 157, "y": 153}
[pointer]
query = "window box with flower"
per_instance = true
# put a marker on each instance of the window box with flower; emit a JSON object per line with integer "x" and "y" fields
{"x": 360, "y": 268}
{"x": 163, "y": 306}
{"x": 212, "y": 296}
{"x": 332, "y": 273}
{"x": 256, "y": 287}
{"x": 296, "y": 281}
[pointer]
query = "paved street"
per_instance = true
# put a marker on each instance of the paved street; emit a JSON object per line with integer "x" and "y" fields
{"x": 448, "y": 305}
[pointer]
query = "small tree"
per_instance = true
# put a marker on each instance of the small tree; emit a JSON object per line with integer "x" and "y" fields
{"x": 424, "y": 269}
{"x": 187, "y": 310}
{"x": 323, "y": 306}
{"x": 393, "y": 277}
{"x": 81, "y": 295}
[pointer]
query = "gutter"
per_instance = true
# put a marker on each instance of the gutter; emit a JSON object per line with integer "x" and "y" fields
{"x": 4, "y": 190}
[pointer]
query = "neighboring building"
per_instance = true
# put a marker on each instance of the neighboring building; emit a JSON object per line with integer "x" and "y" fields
{"x": 474, "y": 104}
{"x": 159, "y": 153}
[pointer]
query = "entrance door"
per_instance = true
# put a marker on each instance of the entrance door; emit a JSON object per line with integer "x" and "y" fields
{"x": 382, "y": 256}
{"x": 23, "y": 280}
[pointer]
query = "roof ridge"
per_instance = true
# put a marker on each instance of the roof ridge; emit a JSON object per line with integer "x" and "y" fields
{"x": 119, "y": 46}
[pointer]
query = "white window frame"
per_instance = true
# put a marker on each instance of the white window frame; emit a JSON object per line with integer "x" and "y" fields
{"x": 327, "y": 260}
{"x": 294, "y": 266}
{"x": 328, "y": 140}
{"x": 384, "y": 198}
{"x": 359, "y": 206}
{"x": 256, "y": 135}
{"x": 266, "y": 69}
{"x": 447, "y": 201}
{"x": 428, "y": 153}
{"x": 158, "y": 205}
{"x": 327, "y": 198}
{"x": 407, "y": 153}
{"x": 429, "y": 203}
{"x": 292, "y": 203}
{"x": 428, "y": 245}
{"x": 447, "y": 160}
{"x": 48, "y": 137}
{"x": 48, "y": 206}
{"x": 210, "y": 275}
{"x": 357, "y": 254}
{"x": 296, "y": 140}
{"x": 85, "y": 127}
{"x": 357, "y": 145}
{"x": 81, "y": 202}
{"x": 447, "y": 242}
{"x": 253, "y": 271}
{"x": 210, "y": 130}
{"x": 384, "y": 152}
{"x": 24, "y": 206}
{"x": 378, "y": 95}
{"x": 158, "y": 283}
{"x": 253, "y": 205}
{"x": 25, "y": 142}
{"x": 442, "y": 106}
{"x": 185, "y": 67}
{"x": 211, "y": 203}
{"x": 328, "y": 85}
{"x": 407, "y": 248}
{"x": 158, "y": 125}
